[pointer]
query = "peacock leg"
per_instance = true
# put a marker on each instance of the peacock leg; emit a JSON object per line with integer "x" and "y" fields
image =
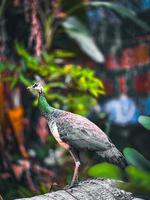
{"x": 75, "y": 157}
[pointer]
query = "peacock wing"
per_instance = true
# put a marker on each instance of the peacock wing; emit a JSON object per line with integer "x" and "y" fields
{"x": 79, "y": 132}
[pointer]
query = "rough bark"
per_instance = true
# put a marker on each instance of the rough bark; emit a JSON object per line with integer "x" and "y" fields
{"x": 93, "y": 189}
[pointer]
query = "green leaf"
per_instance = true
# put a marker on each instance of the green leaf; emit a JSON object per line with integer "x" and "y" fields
{"x": 48, "y": 58}
{"x": 13, "y": 83}
{"x": 138, "y": 176}
{"x": 102, "y": 92}
{"x": 106, "y": 170}
{"x": 23, "y": 192}
{"x": 7, "y": 79}
{"x": 122, "y": 11}
{"x": 2, "y": 66}
{"x": 24, "y": 80}
{"x": 32, "y": 61}
{"x": 133, "y": 157}
{"x": 144, "y": 121}
{"x": 54, "y": 85}
{"x": 64, "y": 54}
{"x": 125, "y": 12}
{"x": 94, "y": 92}
{"x": 139, "y": 181}
{"x": 77, "y": 31}
{"x": 82, "y": 83}
{"x": 43, "y": 188}
{"x": 100, "y": 83}
{"x": 119, "y": 9}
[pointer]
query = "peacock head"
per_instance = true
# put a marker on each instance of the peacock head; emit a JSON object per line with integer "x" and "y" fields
{"x": 37, "y": 87}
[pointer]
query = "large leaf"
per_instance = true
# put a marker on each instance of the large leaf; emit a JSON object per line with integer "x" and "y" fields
{"x": 122, "y": 11}
{"x": 133, "y": 157}
{"x": 138, "y": 176}
{"x": 77, "y": 31}
{"x": 139, "y": 181}
{"x": 83, "y": 37}
{"x": 144, "y": 121}
{"x": 106, "y": 170}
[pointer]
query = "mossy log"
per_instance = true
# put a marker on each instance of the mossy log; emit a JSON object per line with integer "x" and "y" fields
{"x": 92, "y": 189}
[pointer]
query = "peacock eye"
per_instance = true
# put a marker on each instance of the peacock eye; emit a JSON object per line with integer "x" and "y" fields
{"x": 35, "y": 85}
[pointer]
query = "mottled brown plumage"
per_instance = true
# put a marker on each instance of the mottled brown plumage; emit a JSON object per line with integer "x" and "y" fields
{"x": 75, "y": 132}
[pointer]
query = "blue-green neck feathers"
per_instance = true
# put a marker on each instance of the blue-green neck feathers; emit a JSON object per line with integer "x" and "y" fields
{"x": 44, "y": 107}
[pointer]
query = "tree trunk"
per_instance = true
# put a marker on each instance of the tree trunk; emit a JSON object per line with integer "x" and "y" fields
{"x": 92, "y": 189}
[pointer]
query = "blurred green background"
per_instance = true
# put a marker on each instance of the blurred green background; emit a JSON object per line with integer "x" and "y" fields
{"x": 93, "y": 57}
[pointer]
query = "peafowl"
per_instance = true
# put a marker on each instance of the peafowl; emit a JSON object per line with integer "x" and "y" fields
{"x": 74, "y": 133}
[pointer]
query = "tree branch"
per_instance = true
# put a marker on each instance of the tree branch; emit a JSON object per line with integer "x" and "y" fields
{"x": 92, "y": 189}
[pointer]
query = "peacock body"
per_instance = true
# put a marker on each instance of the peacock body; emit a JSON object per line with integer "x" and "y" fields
{"x": 74, "y": 132}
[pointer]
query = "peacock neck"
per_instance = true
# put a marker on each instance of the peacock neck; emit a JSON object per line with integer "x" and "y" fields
{"x": 44, "y": 107}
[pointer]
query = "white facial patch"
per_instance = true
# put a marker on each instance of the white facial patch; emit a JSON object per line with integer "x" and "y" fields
{"x": 39, "y": 88}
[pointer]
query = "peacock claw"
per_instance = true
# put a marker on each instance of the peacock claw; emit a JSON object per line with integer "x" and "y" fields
{"x": 67, "y": 187}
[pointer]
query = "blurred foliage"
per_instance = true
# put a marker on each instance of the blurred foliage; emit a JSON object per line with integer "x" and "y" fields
{"x": 19, "y": 191}
{"x": 76, "y": 30}
{"x": 79, "y": 29}
{"x": 134, "y": 158}
{"x": 23, "y": 192}
{"x": 138, "y": 180}
{"x": 122, "y": 11}
{"x": 106, "y": 170}
{"x": 145, "y": 121}
{"x": 136, "y": 175}
{"x": 71, "y": 86}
